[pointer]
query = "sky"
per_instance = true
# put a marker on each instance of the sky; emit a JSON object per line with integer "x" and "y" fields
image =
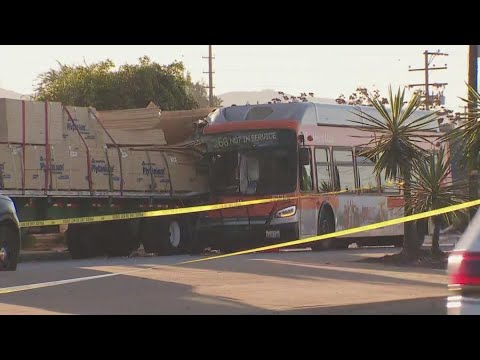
{"x": 326, "y": 70}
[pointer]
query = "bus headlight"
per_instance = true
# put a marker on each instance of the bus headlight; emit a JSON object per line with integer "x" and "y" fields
{"x": 287, "y": 212}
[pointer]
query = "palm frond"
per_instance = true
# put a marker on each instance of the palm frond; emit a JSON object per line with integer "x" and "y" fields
{"x": 432, "y": 187}
{"x": 467, "y": 134}
{"x": 396, "y": 144}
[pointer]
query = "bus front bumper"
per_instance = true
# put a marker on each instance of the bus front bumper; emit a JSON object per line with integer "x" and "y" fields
{"x": 240, "y": 236}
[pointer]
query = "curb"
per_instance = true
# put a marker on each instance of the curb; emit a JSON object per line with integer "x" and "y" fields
{"x": 27, "y": 256}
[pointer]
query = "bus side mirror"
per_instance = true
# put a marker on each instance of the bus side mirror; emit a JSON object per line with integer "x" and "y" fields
{"x": 304, "y": 156}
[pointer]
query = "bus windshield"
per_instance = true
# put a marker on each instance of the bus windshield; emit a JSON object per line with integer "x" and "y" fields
{"x": 264, "y": 171}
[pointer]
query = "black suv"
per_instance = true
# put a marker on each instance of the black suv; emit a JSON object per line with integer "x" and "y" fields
{"x": 9, "y": 235}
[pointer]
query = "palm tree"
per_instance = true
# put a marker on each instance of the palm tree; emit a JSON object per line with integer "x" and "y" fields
{"x": 395, "y": 147}
{"x": 432, "y": 188}
{"x": 467, "y": 136}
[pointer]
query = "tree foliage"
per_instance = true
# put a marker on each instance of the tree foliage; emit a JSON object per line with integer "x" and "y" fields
{"x": 200, "y": 94}
{"x": 466, "y": 138}
{"x": 467, "y": 134}
{"x": 432, "y": 188}
{"x": 303, "y": 97}
{"x": 361, "y": 98}
{"x": 395, "y": 147}
{"x": 103, "y": 86}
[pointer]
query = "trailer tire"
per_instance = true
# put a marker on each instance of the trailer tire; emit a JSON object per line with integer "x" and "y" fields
{"x": 149, "y": 235}
{"x": 173, "y": 235}
{"x": 196, "y": 242}
{"x": 9, "y": 248}
{"x": 79, "y": 241}
{"x": 119, "y": 238}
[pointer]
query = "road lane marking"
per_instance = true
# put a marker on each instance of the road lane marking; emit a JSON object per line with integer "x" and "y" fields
{"x": 390, "y": 222}
{"x": 13, "y": 289}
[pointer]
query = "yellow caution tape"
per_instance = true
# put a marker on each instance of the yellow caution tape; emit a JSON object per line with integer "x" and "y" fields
{"x": 271, "y": 247}
{"x": 356, "y": 230}
{"x": 166, "y": 212}
{"x": 147, "y": 214}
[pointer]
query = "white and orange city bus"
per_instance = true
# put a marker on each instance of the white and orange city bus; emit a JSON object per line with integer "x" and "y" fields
{"x": 302, "y": 150}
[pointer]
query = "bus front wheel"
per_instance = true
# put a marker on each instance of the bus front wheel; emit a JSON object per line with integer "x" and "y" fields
{"x": 326, "y": 225}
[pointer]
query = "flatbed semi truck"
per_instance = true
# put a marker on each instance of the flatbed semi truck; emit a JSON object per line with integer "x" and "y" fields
{"x": 60, "y": 162}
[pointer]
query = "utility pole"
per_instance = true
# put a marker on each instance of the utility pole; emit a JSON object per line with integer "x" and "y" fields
{"x": 210, "y": 75}
{"x": 429, "y": 56}
{"x": 473, "y": 72}
{"x": 472, "y": 106}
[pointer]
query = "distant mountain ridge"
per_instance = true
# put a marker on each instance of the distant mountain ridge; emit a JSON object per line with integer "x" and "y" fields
{"x": 261, "y": 97}
{"x": 229, "y": 98}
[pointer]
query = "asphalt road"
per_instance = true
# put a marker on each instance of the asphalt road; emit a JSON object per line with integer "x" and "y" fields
{"x": 331, "y": 282}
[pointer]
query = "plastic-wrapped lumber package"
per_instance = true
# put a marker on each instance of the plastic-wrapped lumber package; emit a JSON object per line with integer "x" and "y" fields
{"x": 10, "y": 167}
{"x": 27, "y": 122}
{"x": 84, "y": 125}
{"x": 178, "y": 126}
{"x": 132, "y": 127}
{"x": 158, "y": 171}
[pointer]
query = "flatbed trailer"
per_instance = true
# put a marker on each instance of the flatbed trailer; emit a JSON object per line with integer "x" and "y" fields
{"x": 157, "y": 176}
{"x": 163, "y": 235}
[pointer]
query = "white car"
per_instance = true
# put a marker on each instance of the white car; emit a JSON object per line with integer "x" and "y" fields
{"x": 9, "y": 235}
{"x": 464, "y": 272}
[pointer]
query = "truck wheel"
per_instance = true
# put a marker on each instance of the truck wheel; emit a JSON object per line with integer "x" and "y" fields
{"x": 326, "y": 225}
{"x": 196, "y": 240}
{"x": 173, "y": 235}
{"x": 80, "y": 241}
{"x": 9, "y": 248}
{"x": 149, "y": 235}
{"x": 119, "y": 239}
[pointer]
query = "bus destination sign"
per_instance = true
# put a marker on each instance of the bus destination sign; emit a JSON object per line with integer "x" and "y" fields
{"x": 222, "y": 142}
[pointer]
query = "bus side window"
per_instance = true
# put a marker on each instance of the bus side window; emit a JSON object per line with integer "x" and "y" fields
{"x": 389, "y": 185}
{"x": 336, "y": 174}
{"x": 366, "y": 173}
{"x": 343, "y": 169}
{"x": 306, "y": 178}
{"x": 324, "y": 178}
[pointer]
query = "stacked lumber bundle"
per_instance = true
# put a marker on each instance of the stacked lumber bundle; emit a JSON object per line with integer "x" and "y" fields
{"x": 132, "y": 127}
{"x": 122, "y": 119}
{"x": 27, "y": 121}
{"x": 179, "y": 126}
{"x": 45, "y": 146}
{"x": 151, "y": 126}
